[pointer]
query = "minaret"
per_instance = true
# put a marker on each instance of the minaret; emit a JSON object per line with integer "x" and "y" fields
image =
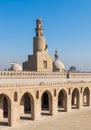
{"x": 39, "y": 29}
{"x": 39, "y": 44}
{"x": 56, "y": 54}
{"x": 40, "y": 60}
{"x": 57, "y": 64}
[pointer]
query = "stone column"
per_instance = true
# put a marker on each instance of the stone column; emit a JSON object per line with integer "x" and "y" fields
{"x": 89, "y": 100}
{"x": 68, "y": 105}
{"x": 54, "y": 107}
{"x": 1, "y": 108}
{"x": 50, "y": 107}
{"x": 22, "y": 107}
{"x": 80, "y": 101}
{"x": 32, "y": 110}
{"x": 37, "y": 110}
{"x": 14, "y": 115}
{"x": 9, "y": 115}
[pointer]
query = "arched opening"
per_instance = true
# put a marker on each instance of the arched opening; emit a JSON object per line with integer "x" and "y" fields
{"x": 86, "y": 97}
{"x": 5, "y": 110}
{"x": 62, "y": 100}
{"x": 37, "y": 94}
{"x": 27, "y": 107}
{"x": 75, "y": 99}
{"x": 5, "y": 107}
{"x": 15, "y": 97}
{"x": 46, "y": 103}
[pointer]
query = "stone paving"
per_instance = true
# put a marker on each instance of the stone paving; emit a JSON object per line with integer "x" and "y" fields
{"x": 74, "y": 120}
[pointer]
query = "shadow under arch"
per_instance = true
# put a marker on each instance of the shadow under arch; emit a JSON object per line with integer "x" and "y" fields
{"x": 5, "y": 110}
{"x": 86, "y": 97}
{"x": 46, "y": 103}
{"x": 62, "y": 100}
{"x": 27, "y": 107}
{"x": 75, "y": 98}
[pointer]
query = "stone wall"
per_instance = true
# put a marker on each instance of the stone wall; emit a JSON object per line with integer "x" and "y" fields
{"x": 16, "y": 109}
{"x": 80, "y": 75}
{"x": 29, "y": 74}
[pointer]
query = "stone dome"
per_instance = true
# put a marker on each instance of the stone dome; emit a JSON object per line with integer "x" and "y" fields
{"x": 15, "y": 67}
{"x": 58, "y": 65}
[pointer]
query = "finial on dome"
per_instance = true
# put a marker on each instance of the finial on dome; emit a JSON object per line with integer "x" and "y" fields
{"x": 56, "y": 54}
{"x": 39, "y": 29}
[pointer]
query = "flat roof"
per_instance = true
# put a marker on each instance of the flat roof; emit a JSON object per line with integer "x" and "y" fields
{"x": 48, "y": 80}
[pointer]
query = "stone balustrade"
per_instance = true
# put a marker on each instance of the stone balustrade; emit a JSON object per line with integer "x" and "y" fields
{"x": 28, "y": 75}
{"x": 80, "y": 75}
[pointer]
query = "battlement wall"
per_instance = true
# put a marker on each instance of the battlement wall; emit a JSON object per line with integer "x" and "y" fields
{"x": 80, "y": 75}
{"x": 28, "y": 75}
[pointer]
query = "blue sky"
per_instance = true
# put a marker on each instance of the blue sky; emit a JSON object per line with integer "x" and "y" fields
{"x": 66, "y": 23}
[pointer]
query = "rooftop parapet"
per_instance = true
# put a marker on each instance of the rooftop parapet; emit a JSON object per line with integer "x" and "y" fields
{"x": 28, "y": 74}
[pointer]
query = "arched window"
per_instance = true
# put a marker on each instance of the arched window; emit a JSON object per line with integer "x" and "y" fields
{"x": 54, "y": 92}
{"x": 45, "y": 64}
{"x": 37, "y": 94}
{"x": 81, "y": 89}
{"x": 15, "y": 97}
{"x": 69, "y": 91}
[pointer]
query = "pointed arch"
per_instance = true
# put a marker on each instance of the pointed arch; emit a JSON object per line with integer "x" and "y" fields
{"x": 86, "y": 97}
{"x": 5, "y": 108}
{"x": 27, "y": 106}
{"x": 75, "y": 98}
{"x": 46, "y": 102}
{"x": 62, "y": 100}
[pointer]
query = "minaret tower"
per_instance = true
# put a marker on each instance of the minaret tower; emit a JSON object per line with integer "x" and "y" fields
{"x": 56, "y": 54}
{"x": 40, "y": 60}
{"x": 39, "y": 44}
{"x": 39, "y": 29}
{"x": 57, "y": 64}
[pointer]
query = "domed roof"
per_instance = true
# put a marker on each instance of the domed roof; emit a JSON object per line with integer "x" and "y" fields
{"x": 15, "y": 67}
{"x": 57, "y": 64}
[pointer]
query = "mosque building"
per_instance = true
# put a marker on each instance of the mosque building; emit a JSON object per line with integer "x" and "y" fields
{"x": 41, "y": 60}
{"x": 41, "y": 86}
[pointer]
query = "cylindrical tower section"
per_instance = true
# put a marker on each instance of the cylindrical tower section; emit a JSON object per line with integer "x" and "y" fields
{"x": 39, "y": 44}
